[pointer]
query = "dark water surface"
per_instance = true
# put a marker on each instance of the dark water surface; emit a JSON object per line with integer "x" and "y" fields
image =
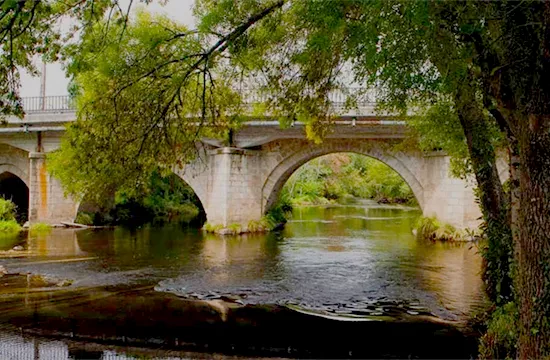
{"x": 333, "y": 269}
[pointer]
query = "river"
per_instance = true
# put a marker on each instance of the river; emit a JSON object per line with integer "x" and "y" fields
{"x": 333, "y": 272}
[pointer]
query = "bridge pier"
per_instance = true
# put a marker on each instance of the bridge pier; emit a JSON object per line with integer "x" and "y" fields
{"x": 47, "y": 202}
{"x": 237, "y": 186}
{"x": 235, "y": 189}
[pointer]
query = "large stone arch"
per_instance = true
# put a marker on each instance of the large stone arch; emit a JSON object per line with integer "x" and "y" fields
{"x": 402, "y": 164}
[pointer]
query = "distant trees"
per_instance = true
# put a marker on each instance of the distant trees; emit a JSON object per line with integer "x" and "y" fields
{"x": 342, "y": 177}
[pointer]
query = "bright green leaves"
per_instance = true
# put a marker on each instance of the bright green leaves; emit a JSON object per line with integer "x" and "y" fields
{"x": 144, "y": 98}
{"x": 339, "y": 176}
{"x": 34, "y": 27}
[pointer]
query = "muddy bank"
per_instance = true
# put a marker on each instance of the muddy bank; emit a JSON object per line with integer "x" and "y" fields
{"x": 150, "y": 319}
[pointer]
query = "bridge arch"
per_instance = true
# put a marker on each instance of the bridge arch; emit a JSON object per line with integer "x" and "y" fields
{"x": 14, "y": 178}
{"x": 281, "y": 173}
{"x": 13, "y": 188}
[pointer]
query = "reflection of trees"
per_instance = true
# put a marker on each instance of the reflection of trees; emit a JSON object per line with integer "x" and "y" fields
{"x": 151, "y": 246}
{"x": 397, "y": 264}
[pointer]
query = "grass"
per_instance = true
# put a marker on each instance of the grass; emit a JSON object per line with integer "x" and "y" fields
{"x": 235, "y": 228}
{"x": 211, "y": 228}
{"x": 40, "y": 228}
{"x": 430, "y": 228}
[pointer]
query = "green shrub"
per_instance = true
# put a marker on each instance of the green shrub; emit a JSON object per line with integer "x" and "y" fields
{"x": 84, "y": 218}
{"x": 208, "y": 227}
{"x": 429, "y": 228}
{"x": 235, "y": 228}
{"x": 7, "y": 210}
{"x": 501, "y": 337}
{"x": 426, "y": 228}
{"x": 166, "y": 199}
{"x": 9, "y": 227}
{"x": 279, "y": 213}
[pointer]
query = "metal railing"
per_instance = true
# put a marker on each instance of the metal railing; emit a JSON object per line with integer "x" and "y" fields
{"x": 64, "y": 103}
{"x": 38, "y": 104}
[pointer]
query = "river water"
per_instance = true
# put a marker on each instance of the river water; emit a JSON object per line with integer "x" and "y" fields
{"x": 343, "y": 264}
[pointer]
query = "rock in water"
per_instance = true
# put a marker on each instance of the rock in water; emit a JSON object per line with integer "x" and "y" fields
{"x": 18, "y": 248}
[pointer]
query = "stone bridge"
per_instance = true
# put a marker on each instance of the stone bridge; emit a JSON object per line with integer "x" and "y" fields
{"x": 238, "y": 184}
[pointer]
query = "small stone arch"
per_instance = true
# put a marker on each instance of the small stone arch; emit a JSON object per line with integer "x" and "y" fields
{"x": 285, "y": 168}
{"x": 16, "y": 161}
{"x": 12, "y": 169}
{"x": 15, "y": 189}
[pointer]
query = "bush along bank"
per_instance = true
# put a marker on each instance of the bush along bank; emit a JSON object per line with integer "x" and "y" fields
{"x": 342, "y": 177}
{"x": 8, "y": 222}
{"x": 430, "y": 228}
{"x": 275, "y": 219}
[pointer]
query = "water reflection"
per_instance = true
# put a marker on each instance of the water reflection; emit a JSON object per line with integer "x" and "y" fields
{"x": 13, "y": 346}
{"x": 326, "y": 257}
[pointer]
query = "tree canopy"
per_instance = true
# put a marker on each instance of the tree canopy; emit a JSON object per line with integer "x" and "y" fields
{"x": 477, "y": 71}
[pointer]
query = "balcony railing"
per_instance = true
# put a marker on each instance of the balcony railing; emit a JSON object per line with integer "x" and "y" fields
{"x": 64, "y": 103}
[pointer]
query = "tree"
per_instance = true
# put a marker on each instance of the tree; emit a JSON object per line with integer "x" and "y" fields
{"x": 31, "y": 27}
{"x": 143, "y": 100}
{"x": 486, "y": 62}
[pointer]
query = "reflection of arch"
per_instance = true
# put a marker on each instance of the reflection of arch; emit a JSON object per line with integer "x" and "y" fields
{"x": 13, "y": 188}
{"x": 280, "y": 174}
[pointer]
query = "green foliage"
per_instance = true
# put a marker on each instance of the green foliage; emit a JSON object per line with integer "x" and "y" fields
{"x": 31, "y": 28}
{"x": 339, "y": 177}
{"x": 40, "y": 228}
{"x": 164, "y": 200}
{"x": 235, "y": 228}
{"x": 498, "y": 263}
{"x": 143, "y": 100}
{"x": 211, "y": 228}
{"x": 430, "y": 228}
{"x": 84, "y": 218}
{"x": 500, "y": 340}
{"x": 279, "y": 213}
{"x": 7, "y": 210}
{"x": 9, "y": 227}
{"x": 426, "y": 227}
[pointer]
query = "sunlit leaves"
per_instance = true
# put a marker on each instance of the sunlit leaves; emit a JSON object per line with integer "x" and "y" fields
{"x": 143, "y": 99}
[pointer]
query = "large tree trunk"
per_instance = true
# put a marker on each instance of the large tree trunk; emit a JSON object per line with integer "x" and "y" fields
{"x": 533, "y": 248}
{"x": 494, "y": 204}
